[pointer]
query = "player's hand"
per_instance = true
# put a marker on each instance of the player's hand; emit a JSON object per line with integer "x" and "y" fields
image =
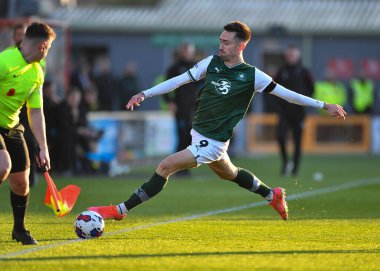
{"x": 43, "y": 158}
{"x": 335, "y": 110}
{"x": 135, "y": 101}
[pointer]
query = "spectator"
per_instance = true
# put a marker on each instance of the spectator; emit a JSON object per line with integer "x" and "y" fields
{"x": 182, "y": 102}
{"x": 18, "y": 34}
{"x": 90, "y": 101}
{"x": 80, "y": 76}
{"x": 293, "y": 75}
{"x": 51, "y": 101}
{"x": 363, "y": 93}
{"x": 129, "y": 84}
{"x": 331, "y": 90}
{"x": 73, "y": 129}
{"x": 105, "y": 82}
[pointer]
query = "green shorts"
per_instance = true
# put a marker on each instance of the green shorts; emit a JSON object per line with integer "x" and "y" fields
{"x": 14, "y": 142}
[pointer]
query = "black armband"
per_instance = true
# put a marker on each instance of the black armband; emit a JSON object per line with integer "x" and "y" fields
{"x": 270, "y": 87}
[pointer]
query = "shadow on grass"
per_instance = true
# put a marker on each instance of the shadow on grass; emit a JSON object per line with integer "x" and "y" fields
{"x": 39, "y": 240}
{"x": 196, "y": 254}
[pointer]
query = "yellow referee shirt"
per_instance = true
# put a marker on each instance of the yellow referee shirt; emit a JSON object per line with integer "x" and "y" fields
{"x": 20, "y": 82}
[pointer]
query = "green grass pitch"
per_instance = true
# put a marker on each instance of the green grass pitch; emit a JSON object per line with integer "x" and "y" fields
{"x": 334, "y": 223}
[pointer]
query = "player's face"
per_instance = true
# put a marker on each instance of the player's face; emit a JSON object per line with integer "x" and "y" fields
{"x": 228, "y": 46}
{"x": 34, "y": 50}
{"x": 43, "y": 48}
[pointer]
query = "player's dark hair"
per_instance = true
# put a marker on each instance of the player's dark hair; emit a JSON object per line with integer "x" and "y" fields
{"x": 242, "y": 31}
{"x": 39, "y": 30}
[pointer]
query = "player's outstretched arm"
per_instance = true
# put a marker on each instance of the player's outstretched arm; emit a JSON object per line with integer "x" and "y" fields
{"x": 162, "y": 88}
{"x": 335, "y": 110}
{"x": 296, "y": 98}
{"x": 135, "y": 101}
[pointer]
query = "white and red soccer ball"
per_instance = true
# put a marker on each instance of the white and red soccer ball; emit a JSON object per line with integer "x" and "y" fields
{"x": 89, "y": 224}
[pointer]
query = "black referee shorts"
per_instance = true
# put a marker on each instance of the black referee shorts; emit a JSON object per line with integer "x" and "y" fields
{"x": 14, "y": 142}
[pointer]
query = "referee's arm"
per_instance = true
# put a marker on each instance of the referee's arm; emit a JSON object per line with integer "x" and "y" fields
{"x": 37, "y": 125}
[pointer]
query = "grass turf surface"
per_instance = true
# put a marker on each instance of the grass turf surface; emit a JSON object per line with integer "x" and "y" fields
{"x": 327, "y": 231}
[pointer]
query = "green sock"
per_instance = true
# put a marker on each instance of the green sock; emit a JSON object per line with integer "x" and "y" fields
{"x": 146, "y": 191}
{"x": 249, "y": 181}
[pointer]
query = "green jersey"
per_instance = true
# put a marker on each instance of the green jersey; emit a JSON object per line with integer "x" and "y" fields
{"x": 20, "y": 82}
{"x": 225, "y": 97}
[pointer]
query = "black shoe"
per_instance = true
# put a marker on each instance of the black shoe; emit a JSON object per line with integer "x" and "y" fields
{"x": 24, "y": 237}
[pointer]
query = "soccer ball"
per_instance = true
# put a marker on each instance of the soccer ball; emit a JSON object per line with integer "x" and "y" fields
{"x": 89, "y": 224}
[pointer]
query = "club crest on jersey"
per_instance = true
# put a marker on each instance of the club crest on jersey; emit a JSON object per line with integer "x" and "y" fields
{"x": 222, "y": 86}
{"x": 242, "y": 76}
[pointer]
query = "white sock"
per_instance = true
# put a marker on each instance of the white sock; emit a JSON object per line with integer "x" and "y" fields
{"x": 269, "y": 197}
{"x": 121, "y": 208}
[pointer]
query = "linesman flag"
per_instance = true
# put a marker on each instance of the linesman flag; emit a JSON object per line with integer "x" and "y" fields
{"x": 62, "y": 202}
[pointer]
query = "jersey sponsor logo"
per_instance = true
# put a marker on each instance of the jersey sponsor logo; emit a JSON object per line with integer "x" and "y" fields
{"x": 11, "y": 92}
{"x": 222, "y": 86}
{"x": 217, "y": 69}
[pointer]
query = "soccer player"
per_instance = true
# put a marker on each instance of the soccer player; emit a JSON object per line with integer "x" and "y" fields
{"x": 222, "y": 103}
{"x": 21, "y": 79}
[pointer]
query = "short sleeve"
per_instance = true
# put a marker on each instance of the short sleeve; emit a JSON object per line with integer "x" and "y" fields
{"x": 262, "y": 80}
{"x": 199, "y": 70}
{"x": 35, "y": 99}
{"x": 2, "y": 69}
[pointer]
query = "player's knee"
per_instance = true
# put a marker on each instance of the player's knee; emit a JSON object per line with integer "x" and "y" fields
{"x": 165, "y": 168}
{"x": 226, "y": 174}
{"x": 20, "y": 188}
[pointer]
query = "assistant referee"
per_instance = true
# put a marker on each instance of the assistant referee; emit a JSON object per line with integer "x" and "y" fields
{"x": 21, "y": 80}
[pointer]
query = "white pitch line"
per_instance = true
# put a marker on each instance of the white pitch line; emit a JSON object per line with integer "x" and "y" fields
{"x": 315, "y": 192}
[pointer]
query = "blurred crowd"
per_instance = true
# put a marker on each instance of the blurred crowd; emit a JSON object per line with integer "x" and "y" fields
{"x": 92, "y": 88}
{"x": 100, "y": 88}
{"x": 358, "y": 95}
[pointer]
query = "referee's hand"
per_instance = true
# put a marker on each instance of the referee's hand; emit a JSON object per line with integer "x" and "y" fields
{"x": 43, "y": 158}
{"x": 135, "y": 101}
